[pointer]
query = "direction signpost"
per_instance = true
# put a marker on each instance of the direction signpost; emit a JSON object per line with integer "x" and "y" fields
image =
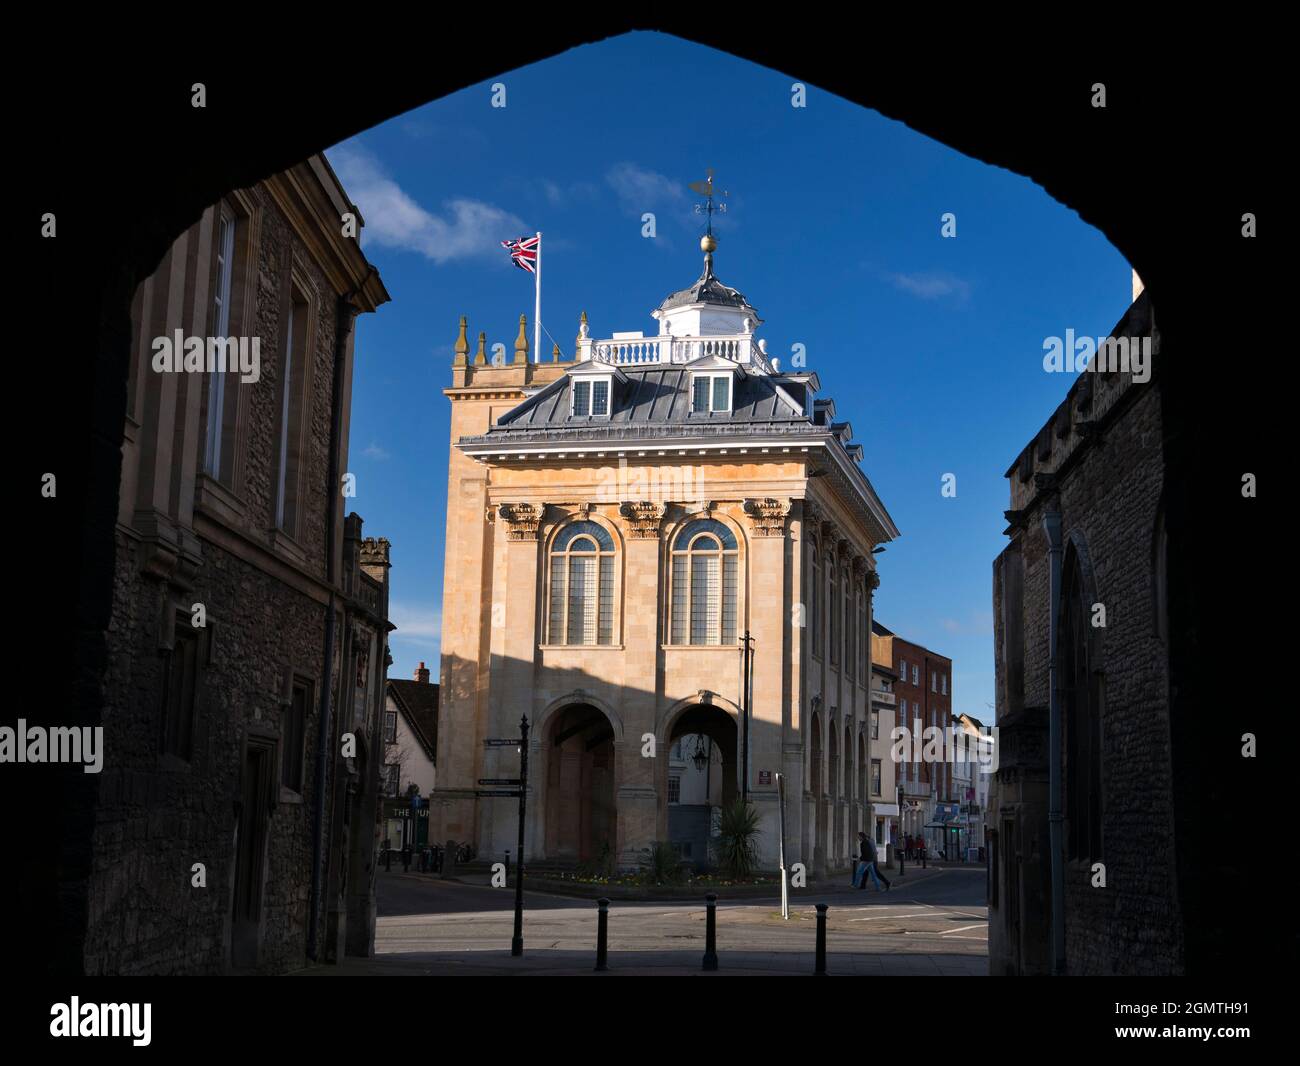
{"x": 520, "y": 790}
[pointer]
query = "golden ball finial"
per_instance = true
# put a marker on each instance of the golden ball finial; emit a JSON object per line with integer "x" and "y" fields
{"x": 708, "y": 243}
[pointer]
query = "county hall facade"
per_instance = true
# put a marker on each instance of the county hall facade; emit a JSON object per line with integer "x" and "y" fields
{"x": 615, "y": 524}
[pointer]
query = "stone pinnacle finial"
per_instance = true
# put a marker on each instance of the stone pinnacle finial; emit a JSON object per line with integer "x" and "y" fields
{"x": 480, "y": 357}
{"x": 521, "y": 342}
{"x": 555, "y": 354}
{"x": 583, "y": 331}
{"x": 462, "y": 343}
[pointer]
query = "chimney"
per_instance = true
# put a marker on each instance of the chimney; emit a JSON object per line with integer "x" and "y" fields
{"x": 422, "y": 674}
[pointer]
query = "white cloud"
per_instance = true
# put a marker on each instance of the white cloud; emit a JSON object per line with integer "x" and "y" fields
{"x": 374, "y": 451}
{"x": 932, "y": 286}
{"x": 978, "y": 623}
{"x": 393, "y": 219}
{"x": 416, "y": 623}
{"x": 643, "y": 190}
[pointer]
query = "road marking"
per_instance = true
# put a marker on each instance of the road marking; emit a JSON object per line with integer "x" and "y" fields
{"x": 960, "y": 929}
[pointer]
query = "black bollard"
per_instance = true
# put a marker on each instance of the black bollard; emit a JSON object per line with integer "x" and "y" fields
{"x": 819, "y": 969}
{"x": 710, "y": 932}
{"x": 923, "y": 858}
{"x": 602, "y": 935}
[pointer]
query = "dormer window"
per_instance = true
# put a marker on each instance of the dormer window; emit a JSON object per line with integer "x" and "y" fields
{"x": 710, "y": 392}
{"x": 591, "y": 398}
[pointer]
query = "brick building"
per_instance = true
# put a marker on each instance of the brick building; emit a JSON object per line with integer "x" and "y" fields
{"x": 615, "y": 524}
{"x": 923, "y": 695}
{"x": 1081, "y": 629}
{"x": 249, "y": 627}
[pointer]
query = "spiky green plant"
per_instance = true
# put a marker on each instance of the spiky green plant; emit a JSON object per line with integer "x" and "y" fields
{"x": 736, "y": 846}
{"x": 661, "y": 865}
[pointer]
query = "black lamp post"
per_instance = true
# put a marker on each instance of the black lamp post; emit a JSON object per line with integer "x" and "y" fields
{"x": 746, "y": 686}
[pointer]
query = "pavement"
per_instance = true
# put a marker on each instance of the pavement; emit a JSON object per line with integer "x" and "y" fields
{"x": 932, "y": 922}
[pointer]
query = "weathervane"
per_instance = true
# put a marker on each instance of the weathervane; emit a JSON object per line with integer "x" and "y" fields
{"x": 705, "y": 188}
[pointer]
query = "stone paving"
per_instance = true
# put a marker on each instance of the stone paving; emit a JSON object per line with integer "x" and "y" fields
{"x": 932, "y": 923}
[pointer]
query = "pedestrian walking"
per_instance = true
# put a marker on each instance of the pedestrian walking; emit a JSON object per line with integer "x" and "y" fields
{"x": 867, "y": 858}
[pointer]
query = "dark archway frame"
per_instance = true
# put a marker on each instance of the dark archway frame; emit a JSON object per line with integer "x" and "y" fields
{"x": 1166, "y": 171}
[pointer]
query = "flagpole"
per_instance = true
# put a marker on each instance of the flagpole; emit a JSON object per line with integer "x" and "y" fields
{"x": 537, "y": 308}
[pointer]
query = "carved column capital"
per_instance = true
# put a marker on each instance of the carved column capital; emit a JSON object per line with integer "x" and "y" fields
{"x": 523, "y": 519}
{"x": 643, "y": 518}
{"x": 767, "y": 515}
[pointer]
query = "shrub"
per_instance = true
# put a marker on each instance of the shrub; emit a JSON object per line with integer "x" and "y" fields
{"x": 736, "y": 846}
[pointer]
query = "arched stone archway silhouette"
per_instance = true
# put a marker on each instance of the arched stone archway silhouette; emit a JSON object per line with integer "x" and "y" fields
{"x": 1201, "y": 274}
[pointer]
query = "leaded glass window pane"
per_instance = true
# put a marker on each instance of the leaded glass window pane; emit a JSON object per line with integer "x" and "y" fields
{"x": 722, "y": 394}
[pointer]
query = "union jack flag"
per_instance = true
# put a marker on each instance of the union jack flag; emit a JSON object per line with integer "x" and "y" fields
{"x": 523, "y": 252}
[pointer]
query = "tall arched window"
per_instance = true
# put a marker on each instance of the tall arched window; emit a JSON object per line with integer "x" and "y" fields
{"x": 850, "y": 648}
{"x": 834, "y": 603}
{"x": 815, "y": 601}
{"x": 864, "y": 638}
{"x": 848, "y": 763}
{"x": 704, "y": 584}
{"x": 1082, "y": 719}
{"x": 582, "y": 585}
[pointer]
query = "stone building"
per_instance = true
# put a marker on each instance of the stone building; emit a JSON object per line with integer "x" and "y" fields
{"x": 615, "y": 525}
{"x": 1081, "y": 630}
{"x": 235, "y": 827}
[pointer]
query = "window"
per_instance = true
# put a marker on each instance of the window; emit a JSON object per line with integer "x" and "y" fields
{"x": 916, "y": 674}
{"x": 230, "y": 238}
{"x": 864, "y": 638}
{"x": 582, "y": 585}
{"x": 814, "y": 606}
{"x": 875, "y": 777}
{"x": 943, "y": 684}
{"x": 902, "y": 671}
{"x": 674, "y": 790}
{"x": 1082, "y": 721}
{"x": 591, "y": 398}
{"x": 934, "y": 681}
{"x": 292, "y": 392}
{"x": 390, "y": 727}
{"x": 710, "y": 392}
{"x": 178, "y": 691}
{"x": 875, "y": 725}
{"x": 704, "y": 584}
{"x": 850, "y": 634}
{"x": 392, "y": 778}
{"x": 293, "y": 734}
{"x": 581, "y": 609}
{"x": 833, "y": 602}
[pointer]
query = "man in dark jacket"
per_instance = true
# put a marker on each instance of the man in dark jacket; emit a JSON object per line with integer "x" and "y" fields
{"x": 867, "y": 854}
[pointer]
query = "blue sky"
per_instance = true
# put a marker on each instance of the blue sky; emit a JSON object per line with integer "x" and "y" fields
{"x": 931, "y": 347}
